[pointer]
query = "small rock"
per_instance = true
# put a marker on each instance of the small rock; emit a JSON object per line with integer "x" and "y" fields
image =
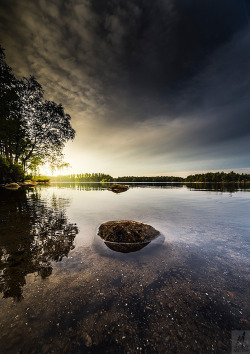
{"x": 12, "y": 186}
{"x": 118, "y": 188}
{"x": 245, "y": 321}
{"x": 87, "y": 339}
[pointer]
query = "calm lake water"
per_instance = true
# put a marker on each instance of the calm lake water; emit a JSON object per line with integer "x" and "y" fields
{"x": 64, "y": 291}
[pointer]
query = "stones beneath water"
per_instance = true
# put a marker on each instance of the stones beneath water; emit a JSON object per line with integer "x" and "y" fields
{"x": 118, "y": 188}
{"x": 87, "y": 340}
{"x": 127, "y": 235}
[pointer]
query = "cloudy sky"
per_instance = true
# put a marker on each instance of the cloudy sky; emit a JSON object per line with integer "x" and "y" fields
{"x": 154, "y": 87}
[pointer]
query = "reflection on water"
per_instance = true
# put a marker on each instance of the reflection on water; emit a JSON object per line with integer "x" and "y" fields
{"x": 126, "y": 247}
{"x": 220, "y": 187}
{"x": 82, "y": 186}
{"x": 33, "y": 234}
{"x": 183, "y": 293}
{"x": 217, "y": 187}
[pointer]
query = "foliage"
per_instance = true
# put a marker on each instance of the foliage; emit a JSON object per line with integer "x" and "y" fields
{"x": 204, "y": 177}
{"x": 10, "y": 171}
{"x": 33, "y": 131}
{"x": 86, "y": 177}
{"x": 150, "y": 179}
{"x": 29, "y": 177}
{"x": 219, "y": 177}
{"x": 42, "y": 179}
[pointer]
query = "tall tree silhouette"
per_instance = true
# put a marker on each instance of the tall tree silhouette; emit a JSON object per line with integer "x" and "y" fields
{"x": 33, "y": 131}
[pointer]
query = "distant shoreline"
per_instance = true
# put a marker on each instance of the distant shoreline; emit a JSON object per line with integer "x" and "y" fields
{"x": 209, "y": 177}
{"x": 184, "y": 182}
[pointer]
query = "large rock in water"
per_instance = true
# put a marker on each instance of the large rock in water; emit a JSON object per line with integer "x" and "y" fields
{"x": 127, "y": 235}
{"x": 12, "y": 186}
{"x": 118, "y": 188}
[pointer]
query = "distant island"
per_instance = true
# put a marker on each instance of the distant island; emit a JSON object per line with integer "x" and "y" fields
{"x": 216, "y": 177}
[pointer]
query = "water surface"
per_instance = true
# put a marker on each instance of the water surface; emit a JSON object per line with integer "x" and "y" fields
{"x": 63, "y": 290}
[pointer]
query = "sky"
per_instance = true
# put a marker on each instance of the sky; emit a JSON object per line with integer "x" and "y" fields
{"x": 153, "y": 87}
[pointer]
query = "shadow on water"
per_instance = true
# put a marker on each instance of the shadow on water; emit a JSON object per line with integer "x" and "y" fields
{"x": 33, "y": 235}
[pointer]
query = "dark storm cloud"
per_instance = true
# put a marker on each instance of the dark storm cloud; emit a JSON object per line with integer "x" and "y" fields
{"x": 164, "y": 81}
{"x": 220, "y": 94}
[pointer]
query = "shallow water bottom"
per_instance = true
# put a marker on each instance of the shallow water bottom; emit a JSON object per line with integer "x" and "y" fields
{"x": 64, "y": 291}
{"x": 176, "y": 301}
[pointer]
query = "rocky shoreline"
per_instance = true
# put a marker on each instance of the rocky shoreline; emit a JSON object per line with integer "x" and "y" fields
{"x": 14, "y": 186}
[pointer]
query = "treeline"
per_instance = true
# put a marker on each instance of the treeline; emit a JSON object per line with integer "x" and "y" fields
{"x": 219, "y": 177}
{"x": 212, "y": 177}
{"x": 33, "y": 131}
{"x": 150, "y": 179}
{"x": 84, "y": 177}
{"x": 102, "y": 177}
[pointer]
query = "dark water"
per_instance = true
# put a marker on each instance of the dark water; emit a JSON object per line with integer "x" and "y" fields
{"x": 64, "y": 291}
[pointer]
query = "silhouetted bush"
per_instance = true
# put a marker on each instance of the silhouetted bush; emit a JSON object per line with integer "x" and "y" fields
{"x": 9, "y": 171}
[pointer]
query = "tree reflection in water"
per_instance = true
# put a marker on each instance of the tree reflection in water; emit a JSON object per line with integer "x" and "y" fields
{"x": 33, "y": 235}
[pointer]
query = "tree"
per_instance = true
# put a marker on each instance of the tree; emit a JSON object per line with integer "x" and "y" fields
{"x": 8, "y": 106}
{"x": 10, "y": 171}
{"x": 47, "y": 127}
{"x": 33, "y": 131}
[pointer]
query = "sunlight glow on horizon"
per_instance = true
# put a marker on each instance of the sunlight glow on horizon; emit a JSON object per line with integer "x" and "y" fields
{"x": 90, "y": 168}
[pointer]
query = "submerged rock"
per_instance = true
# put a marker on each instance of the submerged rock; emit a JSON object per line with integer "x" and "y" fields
{"x": 87, "y": 340}
{"x": 127, "y": 231}
{"x": 126, "y": 247}
{"x": 118, "y": 188}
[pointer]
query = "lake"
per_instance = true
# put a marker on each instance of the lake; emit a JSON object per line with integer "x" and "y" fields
{"x": 64, "y": 291}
